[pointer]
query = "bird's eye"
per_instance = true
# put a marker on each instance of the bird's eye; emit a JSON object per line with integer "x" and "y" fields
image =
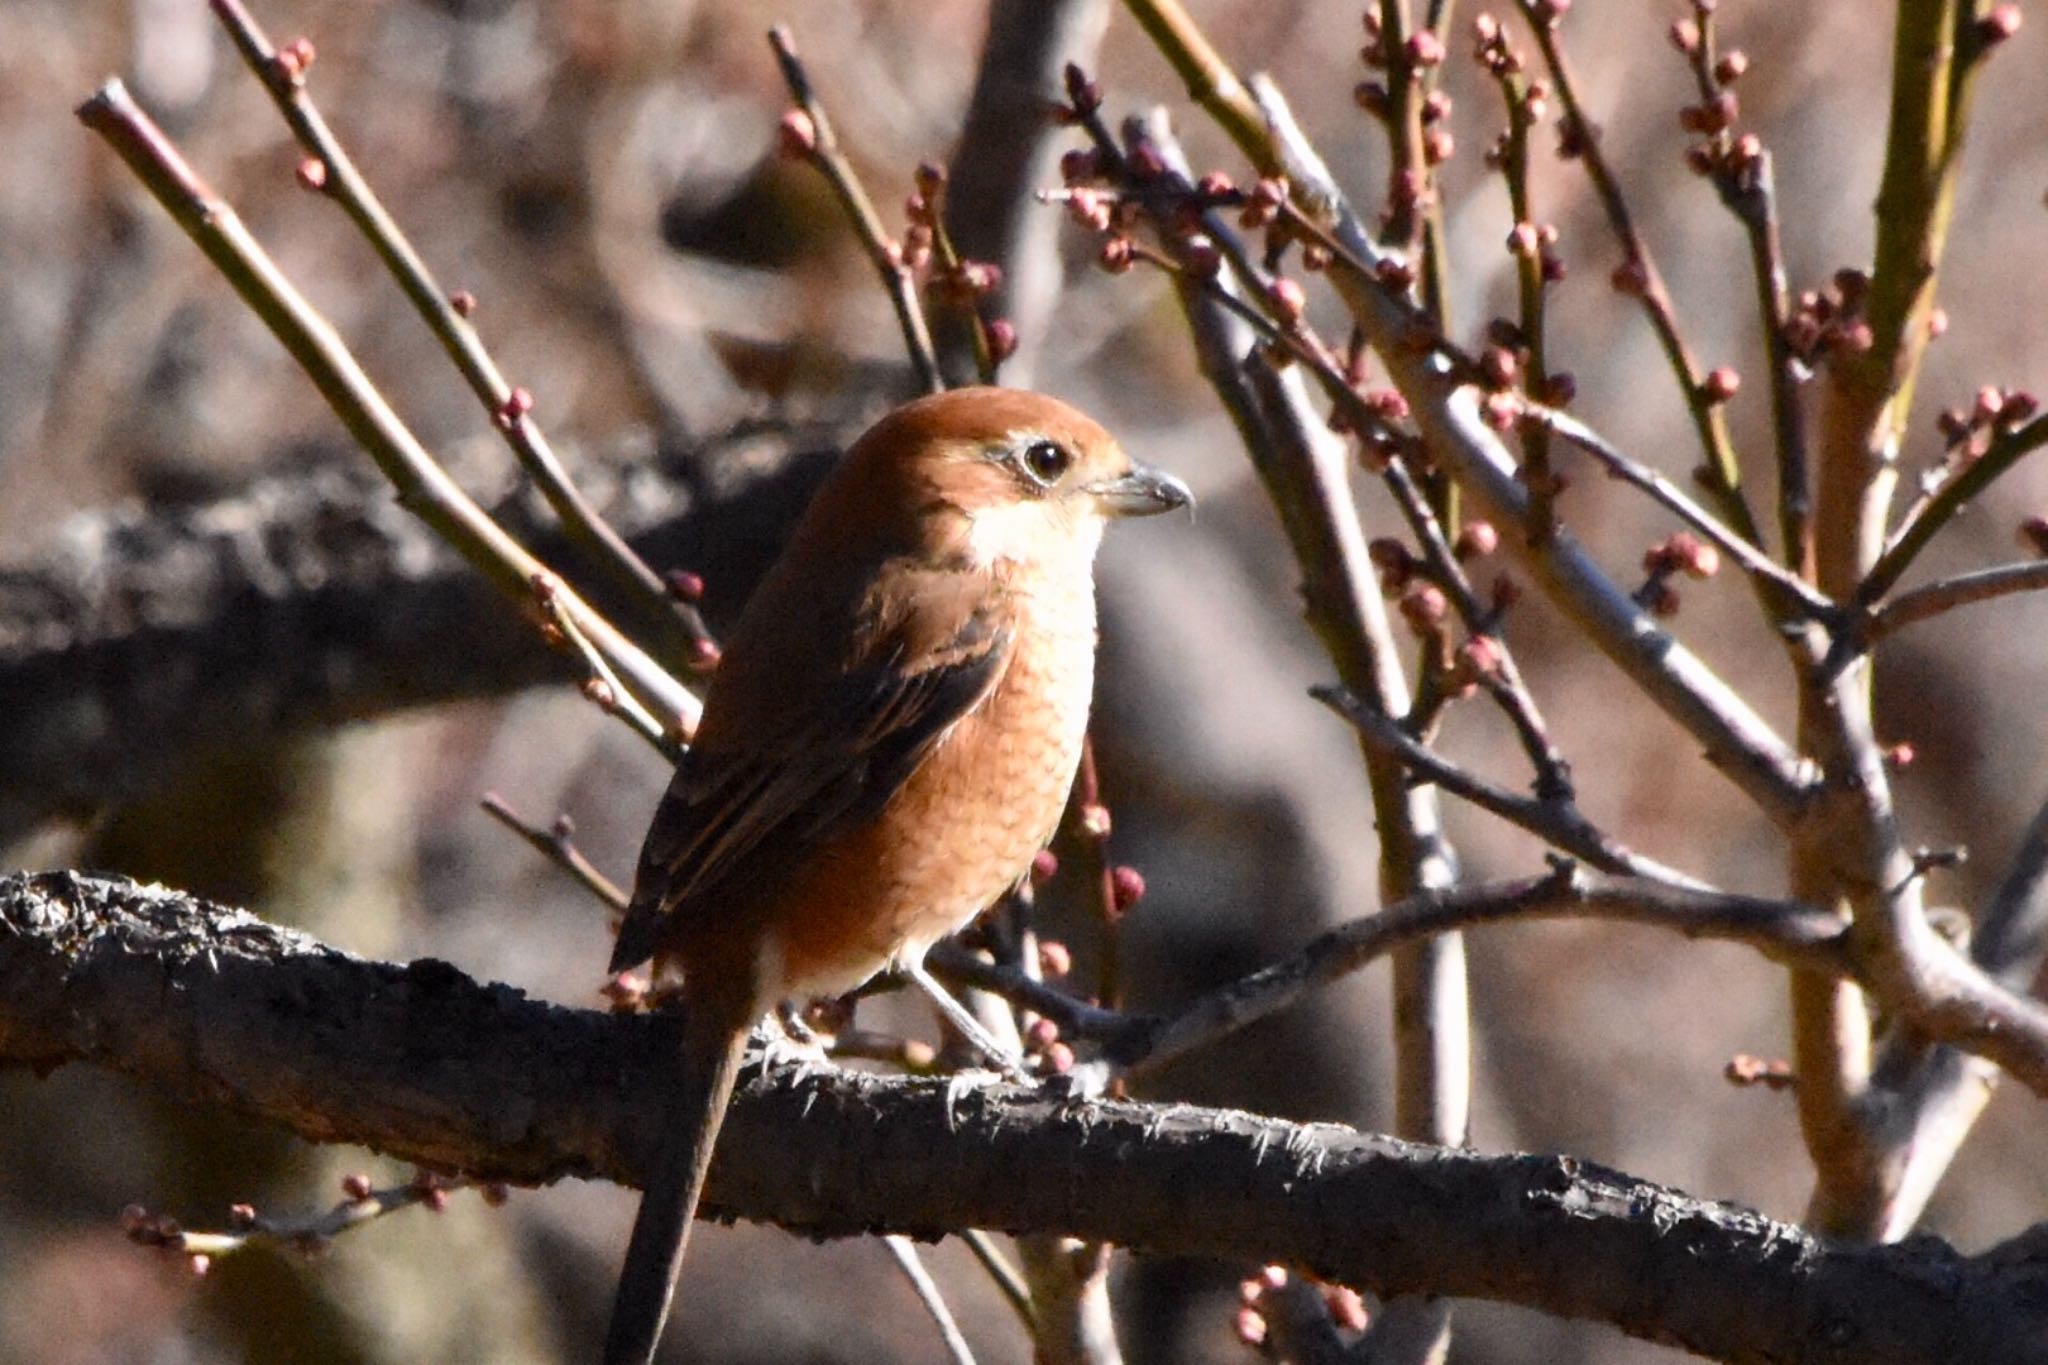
{"x": 1045, "y": 462}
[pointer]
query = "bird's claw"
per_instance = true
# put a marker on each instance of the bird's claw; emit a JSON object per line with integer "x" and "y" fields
{"x": 962, "y": 1084}
{"x": 1078, "y": 1084}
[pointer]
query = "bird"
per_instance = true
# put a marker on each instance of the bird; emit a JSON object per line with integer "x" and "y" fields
{"x": 887, "y": 742}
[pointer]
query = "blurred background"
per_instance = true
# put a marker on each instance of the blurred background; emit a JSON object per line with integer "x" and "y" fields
{"x": 696, "y": 323}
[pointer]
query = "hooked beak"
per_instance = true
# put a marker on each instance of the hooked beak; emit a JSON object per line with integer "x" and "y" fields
{"x": 1142, "y": 492}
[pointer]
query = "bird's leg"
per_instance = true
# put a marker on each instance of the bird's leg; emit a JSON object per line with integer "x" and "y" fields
{"x": 784, "y": 1041}
{"x": 1004, "y": 1059}
{"x": 789, "y": 1016}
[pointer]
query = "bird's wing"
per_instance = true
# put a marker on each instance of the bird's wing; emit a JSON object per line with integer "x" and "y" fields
{"x": 746, "y": 811}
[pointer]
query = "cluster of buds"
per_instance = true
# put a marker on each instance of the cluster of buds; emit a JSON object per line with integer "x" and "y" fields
{"x": 157, "y": 1229}
{"x": 1096, "y": 205}
{"x": 1044, "y": 1047}
{"x": 1994, "y": 28}
{"x": 961, "y": 284}
{"x": 1084, "y": 97}
{"x": 1263, "y": 204}
{"x": 1537, "y": 242}
{"x": 624, "y": 992}
{"x": 1425, "y": 608}
{"x": 294, "y": 60}
{"x": 1735, "y": 160}
{"x": 1492, "y": 50}
{"x": 1255, "y": 1296}
{"x": 1995, "y": 410}
{"x": 1681, "y": 553}
{"x": 1380, "y": 440}
{"x": 1771, "y": 1073}
{"x": 1830, "y": 321}
{"x": 1420, "y": 51}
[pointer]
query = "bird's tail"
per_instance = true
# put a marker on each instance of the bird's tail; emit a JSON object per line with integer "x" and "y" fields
{"x": 714, "y": 1041}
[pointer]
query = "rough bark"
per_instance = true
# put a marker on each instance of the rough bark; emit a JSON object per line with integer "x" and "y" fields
{"x": 214, "y": 1005}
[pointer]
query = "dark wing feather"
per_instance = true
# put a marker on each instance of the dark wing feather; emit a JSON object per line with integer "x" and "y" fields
{"x": 734, "y": 819}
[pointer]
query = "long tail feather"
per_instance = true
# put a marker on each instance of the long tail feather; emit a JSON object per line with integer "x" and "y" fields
{"x": 712, "y": 1049}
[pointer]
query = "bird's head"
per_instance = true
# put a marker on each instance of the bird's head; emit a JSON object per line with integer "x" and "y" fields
{"x": 1004, "y": 476}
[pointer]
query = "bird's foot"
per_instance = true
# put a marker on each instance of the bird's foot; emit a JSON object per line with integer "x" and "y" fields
{"x": 778, "y": 1046}
{"x": 961, "y": 1085}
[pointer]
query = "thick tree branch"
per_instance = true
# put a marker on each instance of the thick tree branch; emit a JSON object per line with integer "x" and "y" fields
{"x": 1008, "y": 149}
{"x": 217, "y": 1007}
{"x": 136, "y": 641}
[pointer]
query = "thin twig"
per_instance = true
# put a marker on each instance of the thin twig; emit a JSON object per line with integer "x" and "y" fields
{"x": 1005, "y": 1275}
{"x": 603, "y": 687}
{"x": 1936, "y": 598}
{"x": 822, "y": 151}
{"x": 1794, "y": 591}
{"x": 1742, "y": 173}
{"x": 1707, "y": 416}
{"x": 1530, "y": 285}
{"x": 1755, "y": 202}
{"x": 307, "y": 1234}
{"x": 1782, "y": 930}
{"x": 424, "y": 487}
{"x": 1504, "y": 682}
{"x": 1210, "y": 81}
{"x": 904, "y": 1252}
{"x": 2007, "y": 448}
{"x": 1076, "y": 1017}
{"x": 1304, "y": 469}
{"x": 948, "y": 262}
{"x": 558, "y": 845}
{"x": 1088, "y": 824}
{"x": 1557, "y": 821}
{"x": 284, "y": 76}
{"x": 1735, "y": 738}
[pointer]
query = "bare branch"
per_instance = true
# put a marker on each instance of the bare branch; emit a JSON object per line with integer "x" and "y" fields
{"x": 816, "y": 142}
{"x": 1781, "y": 930}
{"x": 1737, "y": 740}
{"x": 283, "y": 74}
{"x": 1983, "y": 585}
{"x": 1797, "y": 598}
{"x": 1707, "y": 416}
{"x": 2006, "y": 450}
{"x": 424, "y": 486}
{"x": 1554, "y": 819}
